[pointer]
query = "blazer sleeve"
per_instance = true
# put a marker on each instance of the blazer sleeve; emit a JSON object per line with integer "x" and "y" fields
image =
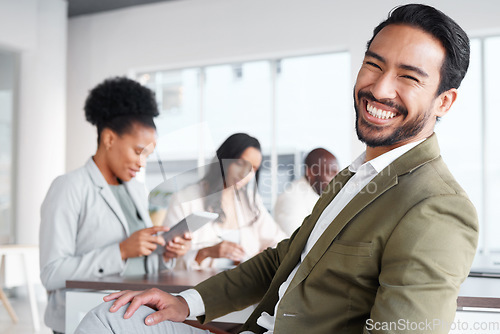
{"x": 425, "y": 260}
{"x": 242, "y": 286}
{"x": 61, "y": 211}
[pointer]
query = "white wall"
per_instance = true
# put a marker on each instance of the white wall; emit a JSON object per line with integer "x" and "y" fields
{"x": 196, "y": 32}
{"x": 36, "y": 29}
{"x": 18, "y": 20}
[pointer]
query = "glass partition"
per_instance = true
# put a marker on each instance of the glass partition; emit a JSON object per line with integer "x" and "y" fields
{"x": 290, "y": 105}
{"x": 314, "y": 109}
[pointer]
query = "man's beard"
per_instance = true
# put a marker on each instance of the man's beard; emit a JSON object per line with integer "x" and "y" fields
{"x": 400, "y": 134}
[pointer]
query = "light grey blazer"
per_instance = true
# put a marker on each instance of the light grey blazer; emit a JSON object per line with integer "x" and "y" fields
{"x": 82, "y": 225}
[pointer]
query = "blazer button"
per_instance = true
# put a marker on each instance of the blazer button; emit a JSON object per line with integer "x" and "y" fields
{"x": 101, "y": 270}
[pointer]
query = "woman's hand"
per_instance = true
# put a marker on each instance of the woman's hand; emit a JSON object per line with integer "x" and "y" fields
{"x": 177, "y": 247}
{"x": 142, "y": 242}
{"x": 168, "y": 307}
{"x": 224, "y": 249}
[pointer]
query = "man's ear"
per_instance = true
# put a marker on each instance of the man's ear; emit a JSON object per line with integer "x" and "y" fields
{"x": 445, "y": 101}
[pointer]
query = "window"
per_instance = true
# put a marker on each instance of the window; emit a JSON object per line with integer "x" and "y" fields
{"x": 314, "y": 109}
{"x": 291, "y": 105}
{"x": 467, "y": 139}
{"x": 460, "y": 132}
{"x": 491, "y": 178}
{"x": 179, "y": 135}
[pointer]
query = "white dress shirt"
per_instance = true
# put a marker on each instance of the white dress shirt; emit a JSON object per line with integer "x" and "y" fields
{"x": 364, "y": 173}
{"x": 294, "y": 204}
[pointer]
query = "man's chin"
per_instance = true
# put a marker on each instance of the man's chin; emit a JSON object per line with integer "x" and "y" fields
{"x": 372, "y": 141}
{"x": 370, "y": 134}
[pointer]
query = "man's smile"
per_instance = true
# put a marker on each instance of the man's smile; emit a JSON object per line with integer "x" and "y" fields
{"x": 379, "y": 113}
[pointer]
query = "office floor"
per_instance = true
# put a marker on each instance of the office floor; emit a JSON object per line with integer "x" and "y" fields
{"x": 22, "y": 308}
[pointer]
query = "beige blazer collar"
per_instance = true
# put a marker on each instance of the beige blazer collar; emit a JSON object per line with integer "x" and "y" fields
{"x": 100, "y": 182}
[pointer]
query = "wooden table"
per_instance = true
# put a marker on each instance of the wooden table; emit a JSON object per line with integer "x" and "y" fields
{"x": 475, "y": 291}
{"x": 170, "y": 281}
{"x": 479, "y": 292}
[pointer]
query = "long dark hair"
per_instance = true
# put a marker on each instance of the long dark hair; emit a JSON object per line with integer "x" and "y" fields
{"x": 215, "y": 180}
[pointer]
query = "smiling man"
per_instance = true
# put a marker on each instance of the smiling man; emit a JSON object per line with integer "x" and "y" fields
{"x": 398, "y": 93}
{"x": 391, "y": 239}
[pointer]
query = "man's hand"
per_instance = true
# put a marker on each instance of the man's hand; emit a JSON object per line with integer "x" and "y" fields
{"x": 177, "y": 247}
{"x": 142, "y": 242}
{"x": 168, "y": 307}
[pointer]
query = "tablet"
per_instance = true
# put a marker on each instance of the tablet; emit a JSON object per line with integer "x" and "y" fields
{"x": 189, "y": 224}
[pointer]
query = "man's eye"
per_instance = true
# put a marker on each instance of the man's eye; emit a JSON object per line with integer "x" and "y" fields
{"x": 410, "y": 77}
{"x": 372, "y": 64}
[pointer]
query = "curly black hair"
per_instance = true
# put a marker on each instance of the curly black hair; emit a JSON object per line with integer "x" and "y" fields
{"x": 117, "y": 103}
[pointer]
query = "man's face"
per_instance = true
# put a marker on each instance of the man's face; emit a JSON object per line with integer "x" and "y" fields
{"x": 395, "y": 92}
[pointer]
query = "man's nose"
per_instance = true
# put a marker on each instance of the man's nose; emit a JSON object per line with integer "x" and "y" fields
{"x": 384, "y": 87}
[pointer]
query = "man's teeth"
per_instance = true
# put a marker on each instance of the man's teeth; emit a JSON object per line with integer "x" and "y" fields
{"x": 382, "y": 114}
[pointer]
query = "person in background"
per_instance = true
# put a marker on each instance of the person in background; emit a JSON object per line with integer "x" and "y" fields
{"x": 390, "y": 240}
{"x": 229, "y": 188}
{"x": 299, "y": 197}
{"x": 94, "y": 220}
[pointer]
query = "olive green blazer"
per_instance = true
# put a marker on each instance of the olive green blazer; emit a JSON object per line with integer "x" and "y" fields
{"x": 394, "y": 256}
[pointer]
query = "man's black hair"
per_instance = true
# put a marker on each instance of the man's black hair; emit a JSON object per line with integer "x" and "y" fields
{"x": 443, "y": 28}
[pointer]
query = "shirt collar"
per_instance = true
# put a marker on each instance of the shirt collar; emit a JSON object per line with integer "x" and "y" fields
{"x": 382, "y": 161}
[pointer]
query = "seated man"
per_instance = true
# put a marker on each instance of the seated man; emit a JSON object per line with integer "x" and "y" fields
{"x": 299, "y": 197}
{"x": 391, "y": 239}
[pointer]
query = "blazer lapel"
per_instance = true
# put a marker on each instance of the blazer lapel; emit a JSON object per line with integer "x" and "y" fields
{"x": 421, "y": 154}
{"x": 105, "y": 191}
{"x": 300, "y": 240}
{"x": 380, "y": 184}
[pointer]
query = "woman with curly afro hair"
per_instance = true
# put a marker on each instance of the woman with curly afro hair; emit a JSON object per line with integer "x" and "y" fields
{"x": 94, "y": 220}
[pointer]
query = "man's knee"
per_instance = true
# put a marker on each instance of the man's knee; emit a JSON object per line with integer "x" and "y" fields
{"x": 100, "y": 319}
{"x": 102, "y": 310}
